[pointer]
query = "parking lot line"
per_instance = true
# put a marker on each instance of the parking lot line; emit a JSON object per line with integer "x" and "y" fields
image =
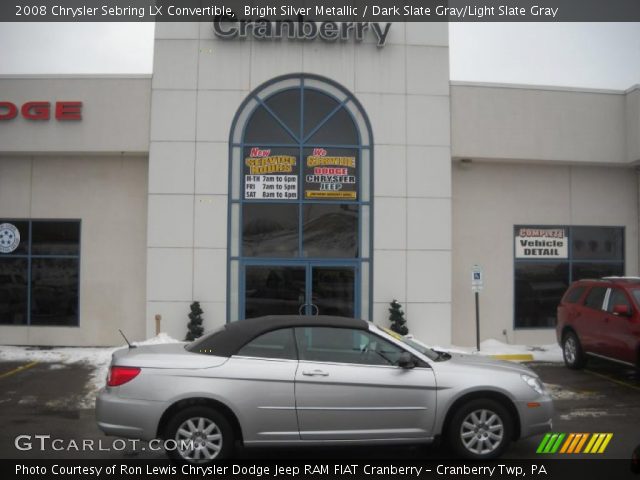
{"x": 611, "y": 379}
{"x": 19, "y": 369}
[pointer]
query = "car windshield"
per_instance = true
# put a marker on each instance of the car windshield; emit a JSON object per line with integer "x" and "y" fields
{"x": 419, "y": 346}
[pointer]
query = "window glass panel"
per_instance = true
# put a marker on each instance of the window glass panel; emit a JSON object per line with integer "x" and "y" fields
{"x": 342, "y": 345}
{"x": 269, "y": 230}
{"x": 13, "y": 291}
{"x": 595, "y": 297}
{"x": 55, "y": 238}
{"x": 597, "y": 243}
{"x": 54, "y": 291}
{"x": 365, "y": 175}
{"x": 262, "y": 127}
{"x": 617, "y": 297}
{"x": 365, "y": 239}
{"x": 330, "y": 174}
{"x": 276, "y": 344}
{"x": 538, "y": 290}
{"x": 360, "y": 122}
{"x": 338, "y": 130}
{"x": 242, "y": 119}
{"x": 581, "y": 271}
{"x": 234, "y": 289}
{"x": 316, "y": 108}
{"x": 330, "y": 230}
{"x": 271, "y": 173}
{"x": 333, "y": 290}
{"x": 14, "y": 238}
{"x": 273, "y": 290}
{"x": 364, "y": 290}
{"x": 286, "y": 106}
{"x": 574, "y": 295}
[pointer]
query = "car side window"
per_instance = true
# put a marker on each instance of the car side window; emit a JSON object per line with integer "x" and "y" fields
{"x": 595, "y": 298}
{"x": 275, "y": 344}
{"x": 617, "y": 297}
{"x": 574, "y": 295}
{"x": 344, "y": 345}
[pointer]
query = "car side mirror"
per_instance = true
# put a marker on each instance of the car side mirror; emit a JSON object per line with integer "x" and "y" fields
{"x": 622, "y": 310}
{"x": 406, "y": 361}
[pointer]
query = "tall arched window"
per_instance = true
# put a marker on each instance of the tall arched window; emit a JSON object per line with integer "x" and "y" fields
{"x": 300, "y": 202}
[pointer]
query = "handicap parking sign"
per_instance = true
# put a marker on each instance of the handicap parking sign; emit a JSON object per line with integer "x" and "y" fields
{"x": 477, "y": 278}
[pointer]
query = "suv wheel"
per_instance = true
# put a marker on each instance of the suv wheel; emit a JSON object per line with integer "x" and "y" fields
{"x": 480, "y": 430}
{"x": 572, "y": 353}
{"x": 201, "y": 435}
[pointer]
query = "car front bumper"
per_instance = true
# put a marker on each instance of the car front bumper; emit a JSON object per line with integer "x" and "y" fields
{"x": 536, "y": 417}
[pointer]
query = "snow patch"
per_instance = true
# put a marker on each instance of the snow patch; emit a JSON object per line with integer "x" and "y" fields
{"x": 557, "y": 392}
{"x": 96, "y": 358}
{"x": 589, "y": 413}
{"x": 551, "y": 353}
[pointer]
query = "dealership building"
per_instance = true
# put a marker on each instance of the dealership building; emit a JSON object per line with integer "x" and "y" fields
{"x": 261, "y": 174}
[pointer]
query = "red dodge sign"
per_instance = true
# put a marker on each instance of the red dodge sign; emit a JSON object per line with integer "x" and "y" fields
{"x": 42, "y": 110}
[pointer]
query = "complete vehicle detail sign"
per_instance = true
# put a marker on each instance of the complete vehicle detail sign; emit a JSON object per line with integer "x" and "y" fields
{"x": 541, "y": 243}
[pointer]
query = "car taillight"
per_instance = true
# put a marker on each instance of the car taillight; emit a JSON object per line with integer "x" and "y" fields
{"x": 121, "y": 375}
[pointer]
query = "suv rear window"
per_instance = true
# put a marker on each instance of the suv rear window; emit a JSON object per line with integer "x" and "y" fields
{"x": 574, "y": 294}
{"x": 595, "y": 298}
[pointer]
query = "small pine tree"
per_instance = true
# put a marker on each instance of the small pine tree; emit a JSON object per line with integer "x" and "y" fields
{"x": 195, "y": 322}
{"x": 396, "y": 316}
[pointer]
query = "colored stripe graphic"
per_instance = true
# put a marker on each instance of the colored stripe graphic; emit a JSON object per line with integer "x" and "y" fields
{"x": 573, "y": 443}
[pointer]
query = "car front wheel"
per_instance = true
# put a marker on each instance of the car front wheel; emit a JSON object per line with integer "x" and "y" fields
{"x": 572, "y": 353}
{"x": 201, "y": 435}
{"x": 480, "y": 430}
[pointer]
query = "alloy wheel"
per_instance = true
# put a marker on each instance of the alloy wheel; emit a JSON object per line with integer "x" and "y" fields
{"x": 199, "y": 440}
{"x": 482, "y": 431}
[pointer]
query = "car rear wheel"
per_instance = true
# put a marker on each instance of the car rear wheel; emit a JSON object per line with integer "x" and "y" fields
{"x": 572, "y": 353}
{"x": 480, "y": 430}
{"x": 201, "y": 435}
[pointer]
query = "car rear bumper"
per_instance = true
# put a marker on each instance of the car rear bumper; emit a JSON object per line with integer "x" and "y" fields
{"x": 126, "y": 417}
{"x": 536, "y": 417}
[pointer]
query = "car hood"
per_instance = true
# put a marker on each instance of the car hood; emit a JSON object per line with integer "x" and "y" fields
{"x": 488, "y": 363}
{"x": 166, "y": 355}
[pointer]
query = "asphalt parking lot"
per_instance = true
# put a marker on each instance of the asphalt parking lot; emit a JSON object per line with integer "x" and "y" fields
{"x": 47, "y": 399}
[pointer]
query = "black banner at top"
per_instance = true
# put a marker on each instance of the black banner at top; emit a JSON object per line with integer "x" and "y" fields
{"x": 320, "y": 10}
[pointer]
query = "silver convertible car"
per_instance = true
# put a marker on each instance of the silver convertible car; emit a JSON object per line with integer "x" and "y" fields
{"x": 316, "y": 380}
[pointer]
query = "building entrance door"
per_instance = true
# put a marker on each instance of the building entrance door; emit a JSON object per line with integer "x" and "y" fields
{"x": 308, "y": 288}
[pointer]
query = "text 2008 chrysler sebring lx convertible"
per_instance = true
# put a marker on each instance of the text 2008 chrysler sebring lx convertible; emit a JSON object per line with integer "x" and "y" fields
{"x": 292, "y": 380}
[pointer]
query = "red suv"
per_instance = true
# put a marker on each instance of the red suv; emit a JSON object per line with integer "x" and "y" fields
{"x": 600, "y": 318}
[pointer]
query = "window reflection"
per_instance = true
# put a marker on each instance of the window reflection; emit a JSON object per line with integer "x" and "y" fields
{"x": 269, "y": 230}
{"x": 330, "y": 230}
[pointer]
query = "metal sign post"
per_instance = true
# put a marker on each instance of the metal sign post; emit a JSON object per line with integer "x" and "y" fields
{"x": 477, "y": 283}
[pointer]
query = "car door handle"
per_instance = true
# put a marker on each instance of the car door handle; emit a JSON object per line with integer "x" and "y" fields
{"x": 315, "y": 373}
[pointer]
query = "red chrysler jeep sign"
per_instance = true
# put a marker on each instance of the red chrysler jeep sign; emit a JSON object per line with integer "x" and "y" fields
{"x": 62, "y": 111}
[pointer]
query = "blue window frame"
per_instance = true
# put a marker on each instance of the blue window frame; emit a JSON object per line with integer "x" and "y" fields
{"x": 558, "y": 256}
{"x": 39, "y": 272}
{"x": 300, "y": 201}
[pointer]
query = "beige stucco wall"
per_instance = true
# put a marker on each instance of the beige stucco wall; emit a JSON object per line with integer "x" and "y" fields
{"x": 109, "y": 195}
{"x": 543, "y": 124}
{"x": 490, "y": 198}
{"x": 404, "y": 89}
{"x": 633, "y": 123}
{"x": 115, "y": 114}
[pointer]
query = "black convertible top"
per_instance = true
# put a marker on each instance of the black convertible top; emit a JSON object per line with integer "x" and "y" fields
{"x": 227, "y": 340}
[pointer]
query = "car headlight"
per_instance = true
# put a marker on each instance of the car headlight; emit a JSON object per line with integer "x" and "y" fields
{"x": 534, "y": 382}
